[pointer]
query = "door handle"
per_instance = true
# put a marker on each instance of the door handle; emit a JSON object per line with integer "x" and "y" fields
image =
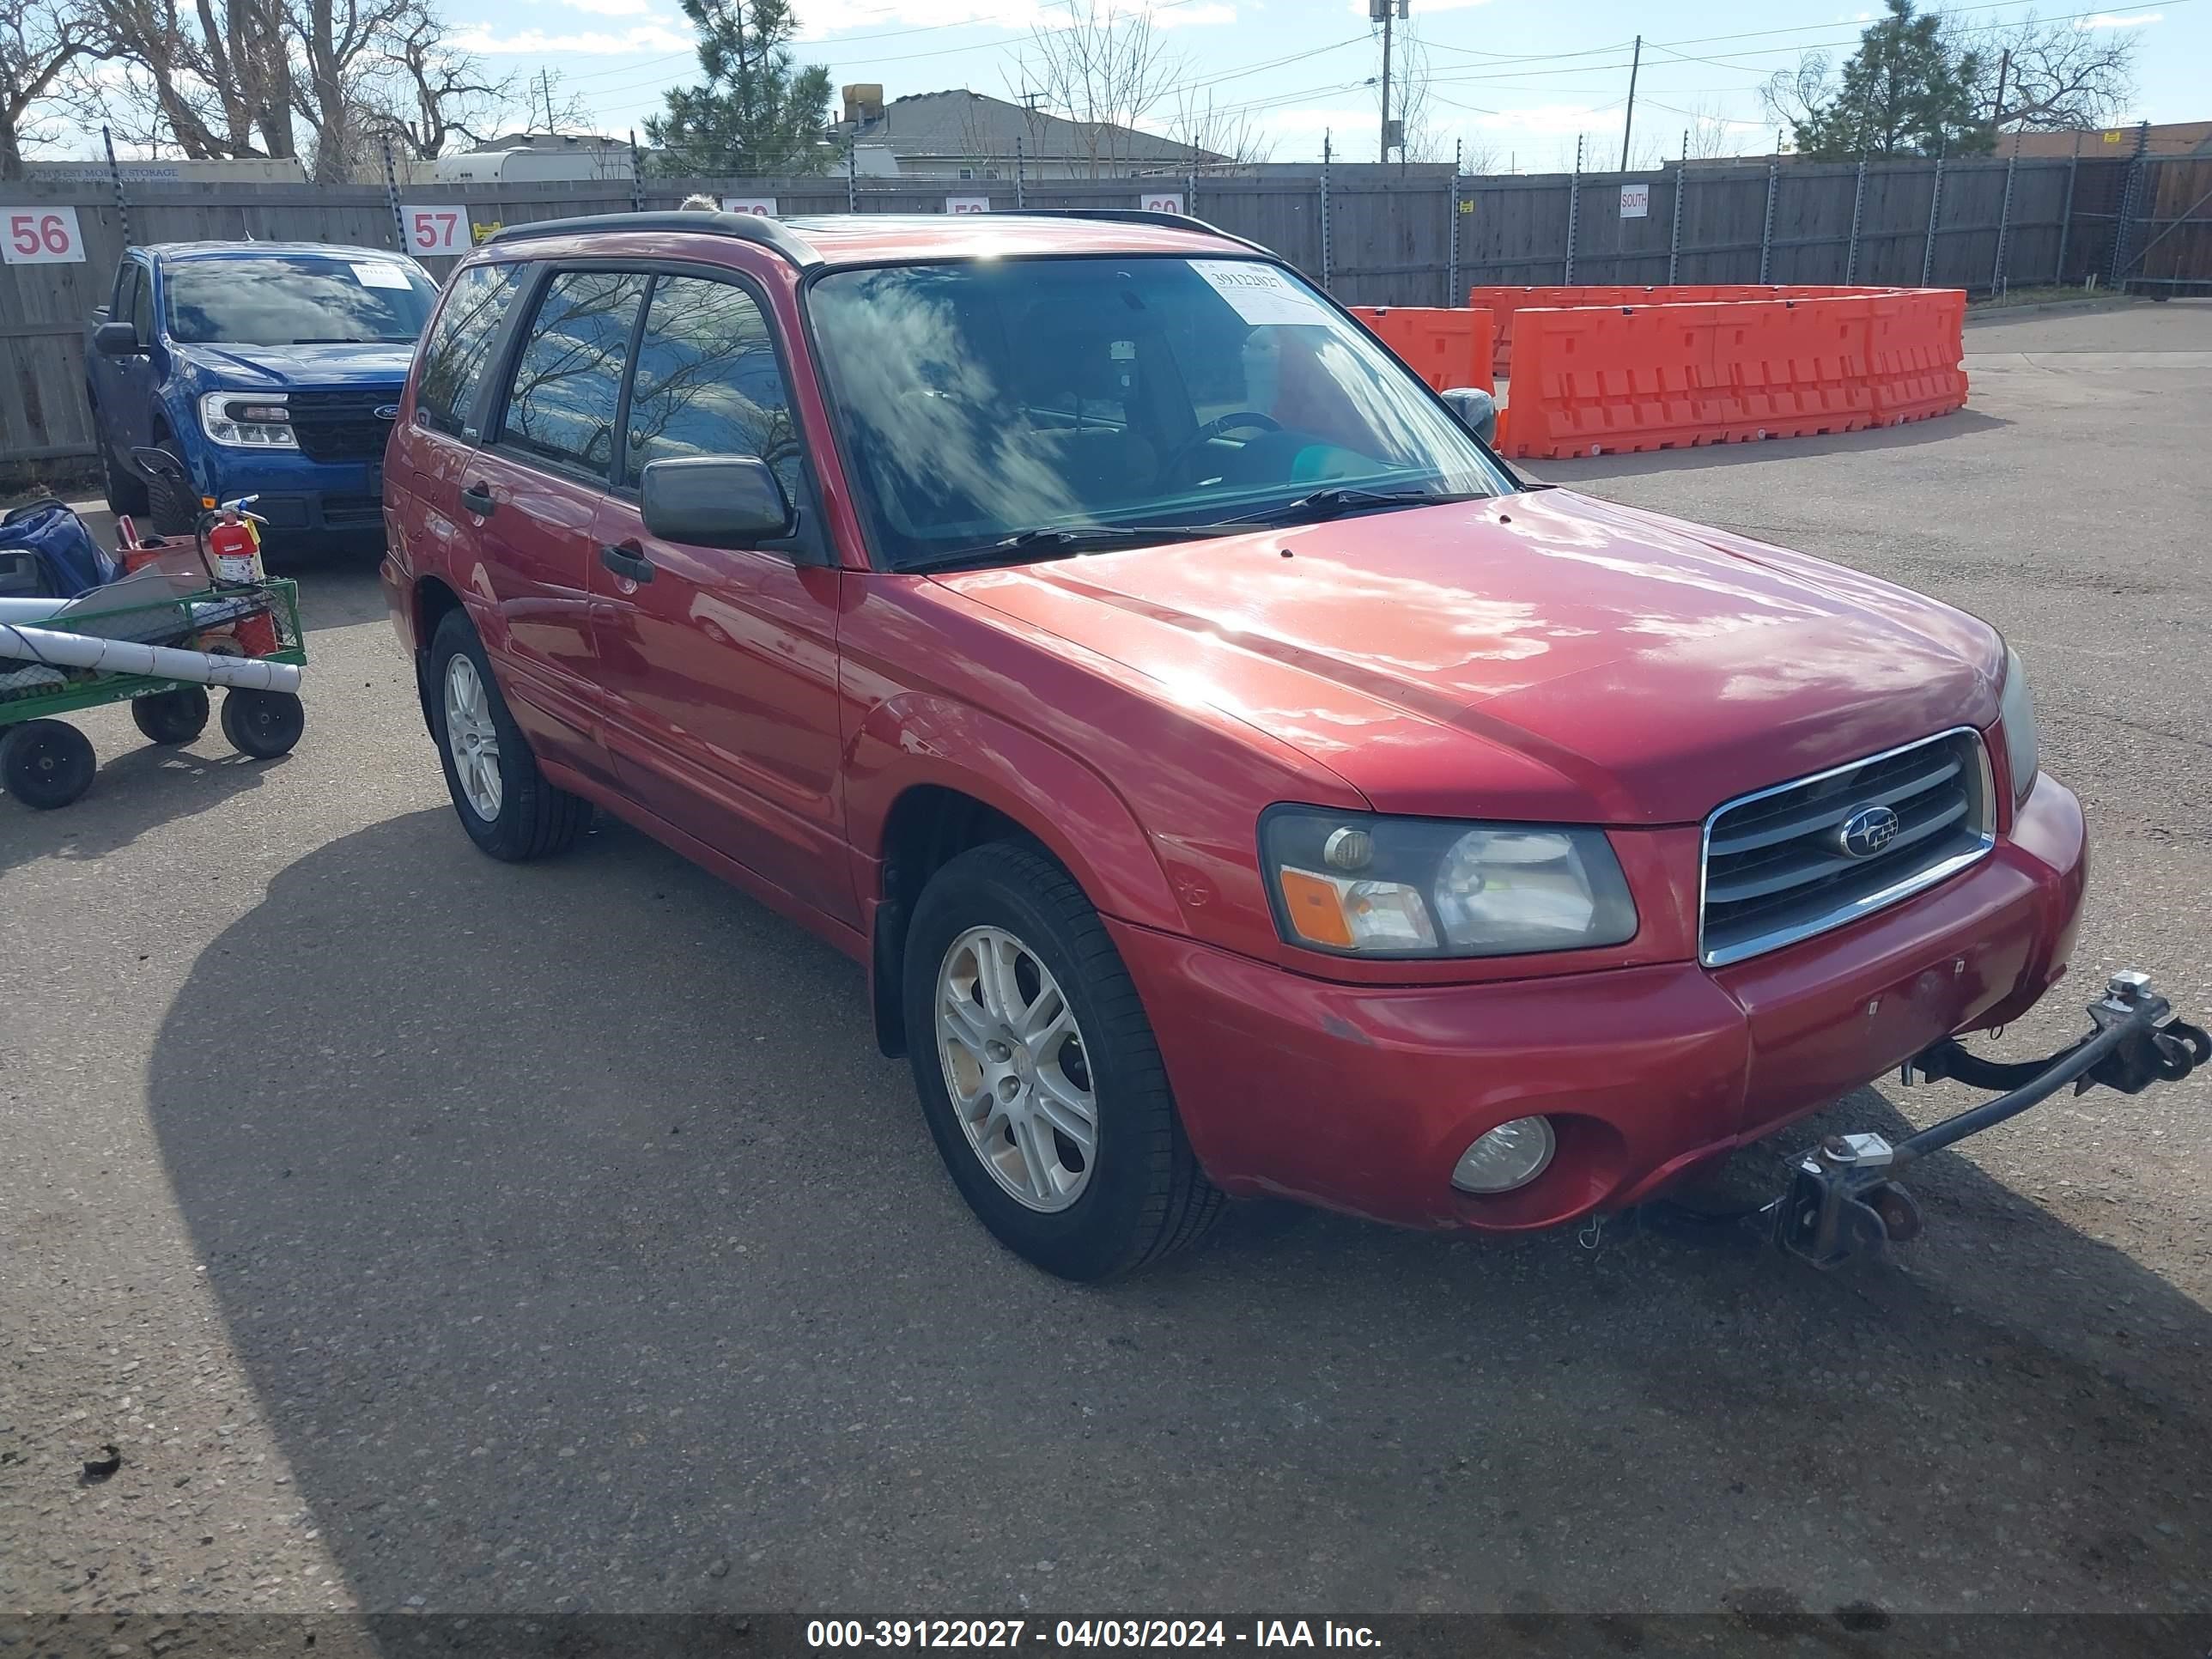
{"x": 477, "y": 499}
{"x": 628, "y": 561}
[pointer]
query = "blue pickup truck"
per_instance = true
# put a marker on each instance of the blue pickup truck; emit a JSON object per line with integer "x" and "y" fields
{"x": 268, "y": 367}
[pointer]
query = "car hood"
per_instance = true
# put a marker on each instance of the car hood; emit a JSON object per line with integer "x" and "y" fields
{"x": 256, "y": 366}
{"x": 1544, "y": 654}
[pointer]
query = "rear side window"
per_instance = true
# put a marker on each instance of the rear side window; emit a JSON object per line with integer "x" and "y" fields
{"x": 458, "y": 347}
{"x": 708, "y": 382}
{"x": 567, "y": 377}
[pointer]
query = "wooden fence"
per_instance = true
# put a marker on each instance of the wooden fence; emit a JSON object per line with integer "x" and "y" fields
{"x": 1373, "y": 235}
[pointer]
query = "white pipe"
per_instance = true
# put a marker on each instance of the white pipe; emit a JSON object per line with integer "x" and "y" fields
{"x": 160, "y": 662}
{"x": 28, "y": 611}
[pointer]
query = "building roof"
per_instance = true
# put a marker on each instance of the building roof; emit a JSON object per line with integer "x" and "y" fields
{"x": 963, "y": 125}
{"x": 2166, "y": 138}
{"x": 552, "y": 140}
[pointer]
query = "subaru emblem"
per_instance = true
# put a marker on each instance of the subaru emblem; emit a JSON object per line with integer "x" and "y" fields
{"x": 1867, "y": 830}
{"x": 387, "y": 412}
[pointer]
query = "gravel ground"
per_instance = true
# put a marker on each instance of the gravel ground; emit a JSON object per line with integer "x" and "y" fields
{"x": 430, "y": 1234}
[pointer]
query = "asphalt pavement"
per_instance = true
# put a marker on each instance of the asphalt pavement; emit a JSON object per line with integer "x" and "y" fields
{"x": 430, "y": 1234}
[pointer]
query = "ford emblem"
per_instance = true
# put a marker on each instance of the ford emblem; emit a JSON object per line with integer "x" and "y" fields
{"x": 387, "y": 412}
{"x": 1867, "y": 831}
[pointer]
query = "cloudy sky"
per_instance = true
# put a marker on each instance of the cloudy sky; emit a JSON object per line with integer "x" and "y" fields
{"x": 1517, "y": 80}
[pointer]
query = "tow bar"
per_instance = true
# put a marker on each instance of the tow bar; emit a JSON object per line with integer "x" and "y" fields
{"x": 1844, "y": 1198}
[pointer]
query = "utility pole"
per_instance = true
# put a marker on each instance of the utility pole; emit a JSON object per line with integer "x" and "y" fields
{"x": 2004, "y": 68}
{"x": 1628, "y": 121}
{"x": 545, "y": 86}
{"x": 1385, "y": 12}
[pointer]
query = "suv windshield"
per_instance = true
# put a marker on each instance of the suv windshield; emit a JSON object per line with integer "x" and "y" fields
{"x": 296, "y": 299}
{"x": 981, "y": 400}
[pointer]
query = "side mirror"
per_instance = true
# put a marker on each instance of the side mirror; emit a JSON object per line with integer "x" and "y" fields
{"x": 715, "y": 501}
{"x": 1476, "y": 409}
{"x": 116, "y": 340}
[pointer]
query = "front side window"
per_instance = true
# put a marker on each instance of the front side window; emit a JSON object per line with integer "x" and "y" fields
{"x": 708, "y": 382}
{"x": 142, "y": 304}
{"x": 124, "y": 307}
{"x": 983, "y": 399}
{"x": 567, "y": 377}
{"x": 459, "y": 346}
{"x": 297, "y": 299}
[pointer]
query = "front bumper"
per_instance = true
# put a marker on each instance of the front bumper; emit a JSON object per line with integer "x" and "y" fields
{"x": 299, "y": 497}
{"x": 1361, "y": 1098}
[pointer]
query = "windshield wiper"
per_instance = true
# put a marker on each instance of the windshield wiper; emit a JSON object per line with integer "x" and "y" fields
{"x": 1049, "y": 542}
{"x": 1345, "y": 498}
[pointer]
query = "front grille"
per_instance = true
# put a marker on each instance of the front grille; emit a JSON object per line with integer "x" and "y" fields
{"x": 342, "y": 426}
{"x": 351, "y": 512}
{"x": 1775, "y": 870}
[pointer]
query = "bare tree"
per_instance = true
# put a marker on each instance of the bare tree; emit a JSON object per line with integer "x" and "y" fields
{"x": 1103, "y": 68}
{"x": 40, "y": 41}
{"x": 215, "y": 81}
{"x": 1229, "y": 133}
{"x": 2056, "y": 77}
{"x": 1709, "y": 134}
{"x": 423, "y": 93}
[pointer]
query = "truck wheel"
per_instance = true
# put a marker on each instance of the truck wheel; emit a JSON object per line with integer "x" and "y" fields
{"x": 1039, "y": 1074}
{"x": 45, "y": 763}
{"x": 171, "y": 717}
{"x": 503, "y": 800}
{"x": 175, "y": 510}
{"x": 262, "y": 724}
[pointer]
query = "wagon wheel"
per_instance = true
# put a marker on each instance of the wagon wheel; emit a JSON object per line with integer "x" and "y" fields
{"x": 262, "y": 724}
{"x": 171, "y": 717}
{"x": 45, "y": 763}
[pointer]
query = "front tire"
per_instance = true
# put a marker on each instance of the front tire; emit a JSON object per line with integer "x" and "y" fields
{"x": 175, "y": 509}
{"x": 1039, "y": 1074}
{"x": 125, "y": 490}
{"x": 45, "y": 763}
{"x": 501, "y": 797}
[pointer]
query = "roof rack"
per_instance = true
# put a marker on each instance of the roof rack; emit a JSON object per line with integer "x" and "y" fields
{"x": 746, "y": 227}
{"x": 1137, "y": 216}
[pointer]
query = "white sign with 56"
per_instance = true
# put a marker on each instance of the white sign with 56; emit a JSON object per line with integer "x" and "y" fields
{"x": 41, "y": 236}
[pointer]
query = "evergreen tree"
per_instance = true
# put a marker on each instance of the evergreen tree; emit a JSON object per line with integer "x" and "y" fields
{"x": 757, "y": 112}
{"x": 1904, "y": 92}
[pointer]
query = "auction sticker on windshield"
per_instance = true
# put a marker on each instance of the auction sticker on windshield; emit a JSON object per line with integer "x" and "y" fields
{"x": 380, "y": 276}
{"x": 1258, "y": 293}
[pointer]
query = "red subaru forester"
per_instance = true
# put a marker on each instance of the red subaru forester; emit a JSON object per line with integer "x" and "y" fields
{"x": 1234, "y": 779}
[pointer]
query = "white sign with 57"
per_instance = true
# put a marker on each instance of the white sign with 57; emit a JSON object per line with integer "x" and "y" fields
{"x": 443, "y": 229}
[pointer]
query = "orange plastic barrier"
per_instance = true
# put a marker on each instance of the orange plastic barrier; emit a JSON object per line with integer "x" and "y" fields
{"x": 1792, "y": 368}
{"x": 1595, "y": 380}
{"x": 1916, "y": 341}
{"x": 1592, "y": 380}
{"x": 1504, "y": 301}
{"x": 1446, "y": 347}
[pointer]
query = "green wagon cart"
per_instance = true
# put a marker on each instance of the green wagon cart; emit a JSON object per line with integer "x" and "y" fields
{"x": 46, "y": 763}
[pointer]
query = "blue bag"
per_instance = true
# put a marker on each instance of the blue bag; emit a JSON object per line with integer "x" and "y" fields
{"x": 67, "y": 560}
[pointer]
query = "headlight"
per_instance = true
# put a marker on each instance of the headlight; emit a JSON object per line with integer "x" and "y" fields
{"x": 2016, "y": 712}
{"x": 1355, "y": 885}
{"x": 247, "y": 420}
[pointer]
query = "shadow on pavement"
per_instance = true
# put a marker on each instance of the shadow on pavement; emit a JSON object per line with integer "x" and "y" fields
{"x": 133, "y": 791}
{"x": 1597, "y": 468}
{"x": 585, "y": 1256}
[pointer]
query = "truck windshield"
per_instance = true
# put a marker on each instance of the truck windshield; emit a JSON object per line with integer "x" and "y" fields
{"x": 990, "y": 403}
{"x": 296, "y": 299}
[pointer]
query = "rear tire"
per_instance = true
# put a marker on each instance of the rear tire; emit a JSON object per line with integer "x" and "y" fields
{"x": 45, "y": 763}
{"x": 171, "y": 717}
{"x": 262, "y": 724}
{"x": 1136, "y": 1193}
{"x": 501, "y": 797}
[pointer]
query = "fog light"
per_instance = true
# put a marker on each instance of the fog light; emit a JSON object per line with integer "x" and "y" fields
{"x": 1512, "y": 1155}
